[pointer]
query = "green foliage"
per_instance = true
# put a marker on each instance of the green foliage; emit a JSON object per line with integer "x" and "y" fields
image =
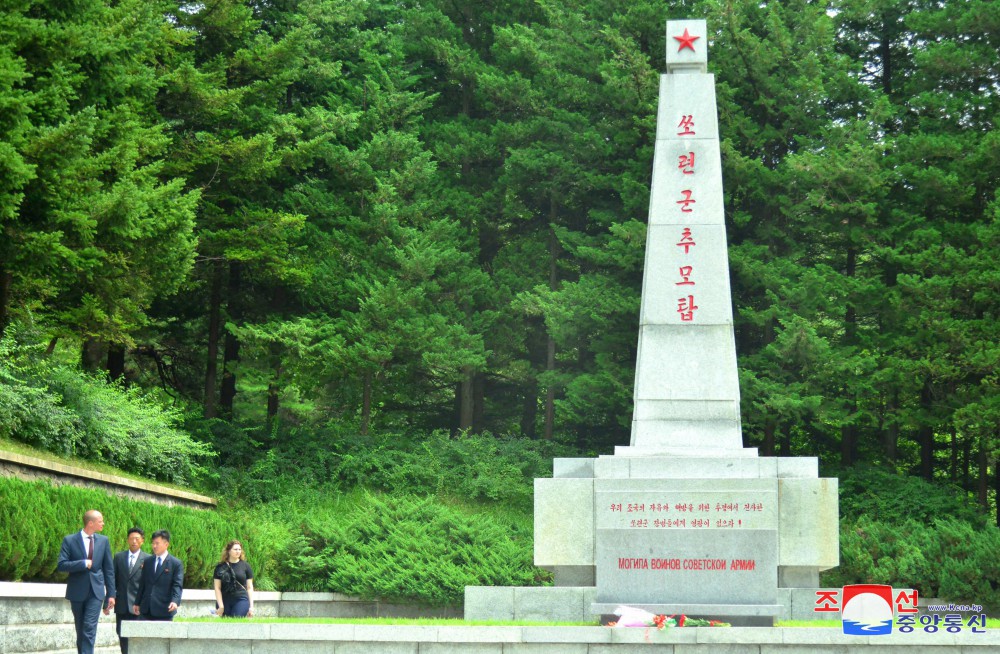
{"x": 406, "y": 548}
{"x": 891, "y": 498}
{"x": 409, "y": 217}
{"x": 392, "y": 546}
{"x": 909, "y": 533}
{"x": 59, "y": 408}
{"x": 476, "y": 467}
{"x": 93, "y": 231}
{"x": 947, "y": 558}
{"x": 29, "y": 410}
{"x": 128, "y": 428}
{"x": 35, "y": 516}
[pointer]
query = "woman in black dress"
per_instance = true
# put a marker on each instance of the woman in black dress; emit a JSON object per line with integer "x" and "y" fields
{"x": 233, "y": 581}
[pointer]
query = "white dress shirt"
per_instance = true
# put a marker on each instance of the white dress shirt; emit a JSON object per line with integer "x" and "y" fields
{"x": 86, "y": 542}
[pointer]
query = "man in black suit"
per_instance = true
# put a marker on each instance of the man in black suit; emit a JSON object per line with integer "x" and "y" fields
{"x": 161, "y": 582}
{"x": 86, "y": 556}
{"x": 128, "y": 569}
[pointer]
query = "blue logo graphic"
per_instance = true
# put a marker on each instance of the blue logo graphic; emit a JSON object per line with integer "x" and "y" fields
{"x": 867, "y": 610}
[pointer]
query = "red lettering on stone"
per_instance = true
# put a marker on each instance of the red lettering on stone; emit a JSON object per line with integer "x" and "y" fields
{"x": 687, "y": 241}
{"x": 686, "y": 307}
{"x": 685, "y": 163}
{"x": 685, "y": 276}
{"x": 686, "y": 202}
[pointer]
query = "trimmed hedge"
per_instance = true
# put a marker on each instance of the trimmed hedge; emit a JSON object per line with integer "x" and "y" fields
{"x": 394, "y": 547}
{"x": 413, "y": 549}
{"x": 34, "y": 517}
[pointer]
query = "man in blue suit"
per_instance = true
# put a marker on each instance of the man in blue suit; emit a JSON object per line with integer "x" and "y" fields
{"x": 161, "y": 582}
{"x": 86, "y": 556}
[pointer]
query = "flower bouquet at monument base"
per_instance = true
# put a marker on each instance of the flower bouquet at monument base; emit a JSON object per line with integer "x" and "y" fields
{"x": 630, "y": 616}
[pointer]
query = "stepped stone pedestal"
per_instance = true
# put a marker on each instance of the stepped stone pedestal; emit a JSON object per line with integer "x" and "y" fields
{"x": 703, "y": 536}
{"x": 685, "y": 519}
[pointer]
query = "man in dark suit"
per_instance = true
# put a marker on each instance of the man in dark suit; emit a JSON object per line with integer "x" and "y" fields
{"x": 128, "y": 569}
{"x": 161, "y": 582}
{"x": 86, "y": 556}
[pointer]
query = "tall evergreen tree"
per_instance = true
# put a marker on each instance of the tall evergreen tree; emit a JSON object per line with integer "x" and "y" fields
{"x": 94, "y": 227}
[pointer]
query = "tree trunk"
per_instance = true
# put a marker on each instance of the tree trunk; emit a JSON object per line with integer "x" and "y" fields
{"x": 953, "y": 473}
{"x": 885, "y": 53}
{"x": 214, "y": 323}
{"x": 535, "y": 344}
{"x": 231, "y": 347}
{"x": 274, "y": 389}
{"x": 6, "y": 282}
{"x": 847, "y": 445}
{"x": 849, "y": 433}
{"x": 272, "y": 406}
{"x": 466, "y": 400}
{"x": 366, "y": 403}
{"x": 966, "y": 462}
{"x": 529, "y": 411}
{"x": 275, "y": 350}
{"x": 996, "y": 486}
{"x": 550, "y": 346}
{"x": 230, "y": 358}
{"x": 93, "y": 353}
{"x": 983, "y": 483}
{"x": 550, "y": 392}
{"x": 925, "y": 435}
{"x": 891, "y": 433}
{"x": 769, "y": 427}
{"x": 478, "y": 403}
{"x": 116, "y": 361}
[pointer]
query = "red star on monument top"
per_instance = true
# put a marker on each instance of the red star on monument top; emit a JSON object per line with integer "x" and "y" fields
{"x": 686, "y": 41}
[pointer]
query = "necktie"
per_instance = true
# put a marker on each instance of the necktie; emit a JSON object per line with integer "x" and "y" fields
{"x": 156, "y": 568}
{"x": 90, "y": 548}
{"x": 131, "y": 561}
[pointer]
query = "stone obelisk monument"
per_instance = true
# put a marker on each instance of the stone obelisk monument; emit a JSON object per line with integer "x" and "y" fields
{"x": 684, "y": 519}
{"x": 687, "y": 395}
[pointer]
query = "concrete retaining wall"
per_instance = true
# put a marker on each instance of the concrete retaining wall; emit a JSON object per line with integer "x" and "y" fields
{"x": 31, "y": 468}
{"x": 36, "y": 619}
{"x": 254, "y": 638}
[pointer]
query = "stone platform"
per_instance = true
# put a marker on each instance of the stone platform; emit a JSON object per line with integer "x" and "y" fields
{"x": 257, "y": 638}
{"x": 36, "y": 619}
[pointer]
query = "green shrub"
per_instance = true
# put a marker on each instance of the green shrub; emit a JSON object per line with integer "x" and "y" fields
{"x": 61, "y": 409}
{"x": 34, "y": 517}
{"x": 29, "y": 410}
{"x": 948, "y": 559}
{"x": 397, "y": 547}
{"x": 475, "y": 467}
{"x": 481, "y": 468}
{"x": 894, "y": 498}
{"x": 129, "y": 429}
{"x": 407, "y": 548}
